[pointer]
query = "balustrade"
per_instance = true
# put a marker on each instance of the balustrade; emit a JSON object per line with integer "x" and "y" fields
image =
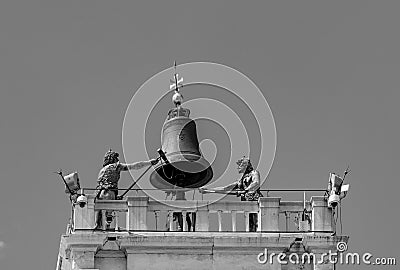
{"x": 195, "y": 215}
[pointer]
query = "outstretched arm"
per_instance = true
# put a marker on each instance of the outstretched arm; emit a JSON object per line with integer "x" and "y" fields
{"x": 223, "y": 190}
{"x": 137, "y": 165}
{"x": 228, "y": 187}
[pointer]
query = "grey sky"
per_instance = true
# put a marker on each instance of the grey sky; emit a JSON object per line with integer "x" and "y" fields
{"x": 68, "y": 69}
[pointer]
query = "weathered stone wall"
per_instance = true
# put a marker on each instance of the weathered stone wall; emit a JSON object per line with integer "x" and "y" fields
{"x": 191, "y": 250}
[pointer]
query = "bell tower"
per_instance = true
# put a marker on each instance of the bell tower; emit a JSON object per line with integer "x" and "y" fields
{"x": 217, "y": 234}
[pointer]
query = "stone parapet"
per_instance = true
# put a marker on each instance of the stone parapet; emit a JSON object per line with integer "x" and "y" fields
{"x": 183, "y": 250}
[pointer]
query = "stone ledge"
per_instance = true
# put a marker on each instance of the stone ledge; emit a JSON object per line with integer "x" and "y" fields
{"x": 201, "y": 242}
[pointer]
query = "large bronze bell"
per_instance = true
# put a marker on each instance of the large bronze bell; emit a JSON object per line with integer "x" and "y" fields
{"x": 186, "y": 168}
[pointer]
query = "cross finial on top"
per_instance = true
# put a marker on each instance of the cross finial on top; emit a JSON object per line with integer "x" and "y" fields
{"x": 176, "y": 82}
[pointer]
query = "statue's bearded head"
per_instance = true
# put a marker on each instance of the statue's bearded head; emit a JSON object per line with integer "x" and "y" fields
{"x": 244, "y": 165}
{"x": 110, "y": 157}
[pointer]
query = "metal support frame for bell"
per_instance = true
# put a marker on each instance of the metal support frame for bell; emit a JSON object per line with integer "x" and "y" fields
{"x": 184, "y": 168}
